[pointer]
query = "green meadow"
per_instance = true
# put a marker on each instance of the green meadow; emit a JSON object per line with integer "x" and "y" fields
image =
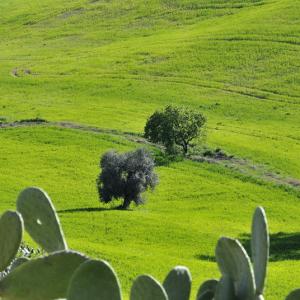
{"x": 109, "y": 65}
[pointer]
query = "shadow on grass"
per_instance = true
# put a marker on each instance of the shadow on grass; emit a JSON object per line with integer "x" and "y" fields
{"x": 90, "y": 209}
{"x": 209, "y": 258}
{"x": 82, "y": 209}
{"x": 283, "y": 246}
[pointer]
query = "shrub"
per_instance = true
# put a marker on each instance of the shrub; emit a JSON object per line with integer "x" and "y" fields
{"x": 33, "y": 120}
{"x": 127, "y": 176}
{"x": 2, "y": 119}
{"x": 174, "y": 127}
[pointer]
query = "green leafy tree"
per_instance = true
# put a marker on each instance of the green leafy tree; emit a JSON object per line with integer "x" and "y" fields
{"x": 175, "y": 126}
{"x": 126, "y": 176}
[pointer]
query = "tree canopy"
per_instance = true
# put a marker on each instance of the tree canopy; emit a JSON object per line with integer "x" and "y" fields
{"x": 174, "y": 126}
{"x": 126, "y": 175}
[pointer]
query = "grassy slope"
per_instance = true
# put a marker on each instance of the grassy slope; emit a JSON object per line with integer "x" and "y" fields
{"x": 110, "y": 64}
{"x": 193, "y": 205}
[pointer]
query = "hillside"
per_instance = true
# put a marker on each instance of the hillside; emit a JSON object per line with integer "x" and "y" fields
{"x": 110, "y": 64}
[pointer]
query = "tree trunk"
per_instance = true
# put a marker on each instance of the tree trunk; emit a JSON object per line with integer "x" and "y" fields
{"x": 185, "y": 148}
{"x": 126, "y": 203}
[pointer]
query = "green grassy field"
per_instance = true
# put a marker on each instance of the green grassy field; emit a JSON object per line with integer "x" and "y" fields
{"x": 110, "y": 64}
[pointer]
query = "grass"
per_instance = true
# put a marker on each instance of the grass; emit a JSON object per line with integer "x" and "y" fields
{"x": 110, "y": 64}
{"x": 167, "y": 231}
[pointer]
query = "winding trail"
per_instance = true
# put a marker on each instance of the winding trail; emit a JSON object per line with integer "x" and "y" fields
{"x": 243, "y": 166}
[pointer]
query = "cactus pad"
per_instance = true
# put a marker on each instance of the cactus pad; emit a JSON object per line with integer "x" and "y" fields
{"x": 225, "y": 289}
{"x": 260, "y": 248}
{"x": 207, "y": 286}
{"x": 94, "y": 280}
{"x": 178, "y": 283}
{"x": 11, "y": 232}
{"x": 233, "y": 262}
{"x": 294, "y": 295}
{"x": 40, "y": 219}
{"x": 44, "y": 278}
{"x": 146, "y": 287}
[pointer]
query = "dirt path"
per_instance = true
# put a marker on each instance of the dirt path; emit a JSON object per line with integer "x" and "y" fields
{"x": 70, "y": 125}
{"x": 241, "y": 165}
{"x": 257, "y": 171}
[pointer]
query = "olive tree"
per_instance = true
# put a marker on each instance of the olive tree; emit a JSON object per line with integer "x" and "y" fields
{"x": 126, "y": 176}
{"x": 175, "y": 126}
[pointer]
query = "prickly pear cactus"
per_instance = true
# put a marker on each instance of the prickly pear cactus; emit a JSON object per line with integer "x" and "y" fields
{"x": 44, "y": 278}
{"x": 70, "y": 275}
{"x": 146, "y": 287}
{"x": 240, "y": 280}
{"x": 294, "y": 295}
{"x": 11, "y": 232}
{"x": 234, "y": 263}
{"x": 225, "y": 289}
{"x": 178, "y": 284}
{"x": 207, "y": 289}
{"x": 94, "y": 280}
{"x": 40, "y": 219}
{"x": 207, "y": 295}
{"x": 260, "y": 248}
{"x": 18, "y": 262}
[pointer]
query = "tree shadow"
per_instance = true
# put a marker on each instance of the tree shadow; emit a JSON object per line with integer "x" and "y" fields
{"x": 90, "y": 209}
{"x": 283, "y": 246}
{"x": 209, "y": 258}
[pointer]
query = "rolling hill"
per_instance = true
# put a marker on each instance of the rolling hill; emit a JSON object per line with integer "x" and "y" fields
{"x": 97, "y": 69}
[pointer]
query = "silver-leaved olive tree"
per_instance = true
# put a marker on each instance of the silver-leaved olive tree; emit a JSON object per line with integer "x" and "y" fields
{"x": 126, "y": 176}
